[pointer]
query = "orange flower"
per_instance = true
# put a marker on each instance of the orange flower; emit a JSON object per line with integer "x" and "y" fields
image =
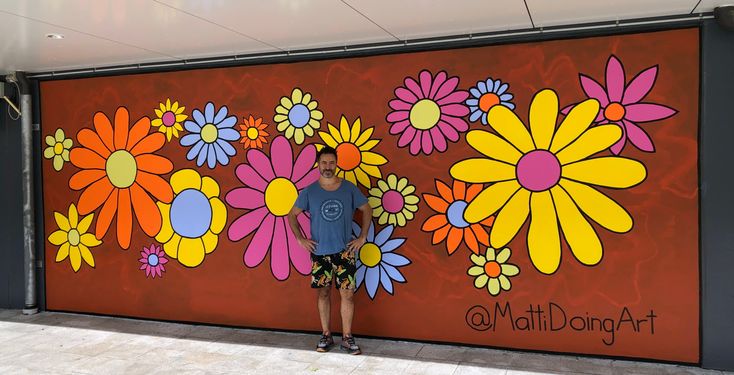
{"x": 253, "y": 133}
{"x": 120, "y": 170}
{"x": 449, "y": 223}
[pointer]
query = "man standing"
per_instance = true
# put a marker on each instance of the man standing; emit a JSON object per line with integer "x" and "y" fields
{"x": 331, "y": 202}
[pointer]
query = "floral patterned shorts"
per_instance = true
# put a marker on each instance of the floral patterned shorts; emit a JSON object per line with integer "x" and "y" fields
{"x": 341, "y": 267}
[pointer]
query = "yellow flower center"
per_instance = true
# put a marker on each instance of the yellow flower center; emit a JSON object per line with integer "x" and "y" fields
{"x": 209, "y": 133}
{"x": 252, "y": 133}
{"x": 280, "y": 195}
{"x": 121, "y": 169}
{"x": 425, "y": 114}
{"x": 58, "y": 148}
{"x": 348, "y": 156}
{"x": 370, "y": 255}
{"x": 73, "y": 237}
{"x": 492, "y": 269}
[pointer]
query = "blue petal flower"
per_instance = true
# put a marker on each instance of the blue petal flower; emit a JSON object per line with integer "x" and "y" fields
{"x": 221, "y": 114}
{"x": 385, "y": 281}
{"x": 200, "y": 120}
{"x": 396, "y": 260}
{"x": 228, "y": 134}
{"x": 192, "y": 126}
{"x": 209, "y": 113}
{"x": 372, "y": 280}
{"x": 384, "y": 235}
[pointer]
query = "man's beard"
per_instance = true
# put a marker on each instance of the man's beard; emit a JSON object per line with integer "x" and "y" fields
{"x": 327, "y": 173}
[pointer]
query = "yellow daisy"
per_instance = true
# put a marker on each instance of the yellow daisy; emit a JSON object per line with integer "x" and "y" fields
{"x": 546, "y": 173}
{"x": 354, "y": 160}
{"x": 393, "y": 201}
{"x": 297, "y": 115}
{"x": 73, "y": 238}
{"x": 170, "y": 117}
{"x": 58, "y": 148}
{"x": 493, "y": 271}
{"x": 193, "y": 220}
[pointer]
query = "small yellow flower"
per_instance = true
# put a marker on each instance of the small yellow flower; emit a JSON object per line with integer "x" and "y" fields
{"x": 170, "y": 116}
{"x": 58, "y": 149}
{"x": 297, "y": 115}
{"x": 73, "y": 238}
{"x": 393, "y": 201}
{"x": 493, "y": 271}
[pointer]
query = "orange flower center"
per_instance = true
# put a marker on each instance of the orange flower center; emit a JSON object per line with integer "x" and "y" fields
{"x": 492, "y": 269}
{"x": 121, "y": 169}
{"x": 488, "y": 101}
{"x": 348, "y": 156}
{"x": 252, "y": 133}
{"x": 614, "y": 112}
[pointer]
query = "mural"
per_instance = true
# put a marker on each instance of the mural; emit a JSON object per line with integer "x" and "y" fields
{"x": 527, "y": 196}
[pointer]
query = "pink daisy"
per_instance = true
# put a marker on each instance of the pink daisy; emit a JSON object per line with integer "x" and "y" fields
{"x": 621, "y": 105}
{"x": 271, "y": 187}
{"x": 428, "y": 112}
{"x": 152, "y": 260}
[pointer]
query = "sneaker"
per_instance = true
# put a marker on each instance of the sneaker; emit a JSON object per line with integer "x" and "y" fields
{"x": 350, "y": 346}
{"x": 325, "y": 344}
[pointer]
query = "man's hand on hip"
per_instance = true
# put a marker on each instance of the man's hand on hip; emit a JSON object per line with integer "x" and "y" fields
{"x": 356, "y": 244}
{"x": 307, "y": 244}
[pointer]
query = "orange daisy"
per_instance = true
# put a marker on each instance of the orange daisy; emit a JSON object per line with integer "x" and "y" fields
{"x": 253, "y": 133}
{"x": 449, "y": 224}
{"x": 120, "y": 171}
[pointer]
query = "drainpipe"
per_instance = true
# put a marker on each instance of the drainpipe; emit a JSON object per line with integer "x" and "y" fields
{"x": 29, "y": 228}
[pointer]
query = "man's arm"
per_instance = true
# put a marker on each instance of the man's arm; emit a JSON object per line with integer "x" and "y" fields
{"x": 366, "y": 220}
{"x": 293, "y": 222}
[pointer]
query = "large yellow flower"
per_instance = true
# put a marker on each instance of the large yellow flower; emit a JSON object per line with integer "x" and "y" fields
{"x": 193, "y": 221}
{"x": 169, "y": 119}
{"x": 546, "y": 174}
{"x": 297, "y": 115}
{"x": 73, "y": 238}
{"x": 355, "y": 161}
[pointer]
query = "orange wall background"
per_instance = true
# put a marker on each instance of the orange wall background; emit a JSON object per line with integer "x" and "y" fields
{"x": 651, "y": 270}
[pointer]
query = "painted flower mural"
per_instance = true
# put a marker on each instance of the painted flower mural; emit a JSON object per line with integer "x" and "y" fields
{"x": 253, "y": 133}
{"x": 492, "y": 270}
{"x": 153, "y": 261}
{"x": 355, "y": 160}
{"x": 271, "y": 186}
{"x": 193, "y": 220}
{"x": 73, "y": 239}
{"x": 120, "y": 172}
{"x": 448, "y": 224}
{"x": 485, "y": 95}
{"x": 377, "y": 261}
{"x": 168, "y": 118}
{"x": 210, "y": 135}
{"x": 547, "y": 174}
{"x": 58, "y": 149}
{"x": 393, "y": 201}
{"x": 621, "y": 104}
{"x": 297, "y": 116}
{"x": 427, "y": 112}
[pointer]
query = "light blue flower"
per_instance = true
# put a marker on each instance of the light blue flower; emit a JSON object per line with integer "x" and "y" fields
{"x": 377, "y": 263}
{"x": 496, "y": 92}
{"x": 209, "y": 134}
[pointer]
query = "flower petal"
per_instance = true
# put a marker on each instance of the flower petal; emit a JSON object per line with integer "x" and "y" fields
{"x": 490, "y": 200}
{"x": 615, "y": 79}
{"x": 493, "y": 146}
{"x": 246, "y": 224}
{"x": 644, "y": 112}
{"x": 543, "y": 116}
{"x": 147, "y": 213}
{"x": 544, "y": 242}
{"x": 638, "y": 137}
{"x": 608, "y": 171}
{"x": 593, "y": 90}
{"x": 580, "y": 235}
{"x": 124, "y": 218}
{"x": 191, "y": 251}
{"x": 89, "y": 139}
{"x": 600, "y": 208}
{"x": 576, "y": 122}
{"x": 509, "y": 127}
{"x": 219, "y": 215}
{"x": 640, "y": 85}
{"x": 510, "y": 219}
{"x": 481, "y": 170}
{"x": 103, "y": 126}
{"x": 594, "y": 140}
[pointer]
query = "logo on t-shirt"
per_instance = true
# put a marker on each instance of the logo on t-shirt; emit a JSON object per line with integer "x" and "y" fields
{"x": 331, "y": 210}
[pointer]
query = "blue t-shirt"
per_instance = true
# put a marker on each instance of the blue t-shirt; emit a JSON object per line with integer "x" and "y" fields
{"x": 331, "y": 214}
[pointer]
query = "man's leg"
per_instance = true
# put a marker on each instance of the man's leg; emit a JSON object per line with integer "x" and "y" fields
{"x": 321, "y": 276}
{"x": 346, "y": 280}
{"x": 347, "y": 310}
{"x": 324, "y": 305}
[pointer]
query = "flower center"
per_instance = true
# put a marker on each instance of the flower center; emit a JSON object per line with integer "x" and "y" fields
{"x": 455, "y": 214}
{"x": 121, "y": 169}
{"x": 425, "y": 114}
{"x": 488, "y": 101}
{"x": 252, "y": 133}
{"x": 191, "y": 213}
{"x": 169, "y": 118}
{"x": 209, "y": 133}
{"x": 392, "y": 201}
{"x": 153, "y": 260}
{"x": 73, "y": 237}
{"x": 348, "y": 156}
{"x": 614, "y": 112}
{"x": 370, "y": 255}
{"x": 538, "y": 170}
{"x": 492, "y": 269}
{"x": 280, "y": 195}
{"x": 58, "y": 148}
{"x": 299, "y": 115}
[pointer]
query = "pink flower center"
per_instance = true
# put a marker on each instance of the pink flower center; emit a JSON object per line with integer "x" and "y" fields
{"x": 538, "y": 170}
{"x": 392, "y": 201}
{"x": 169, "y": 118}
